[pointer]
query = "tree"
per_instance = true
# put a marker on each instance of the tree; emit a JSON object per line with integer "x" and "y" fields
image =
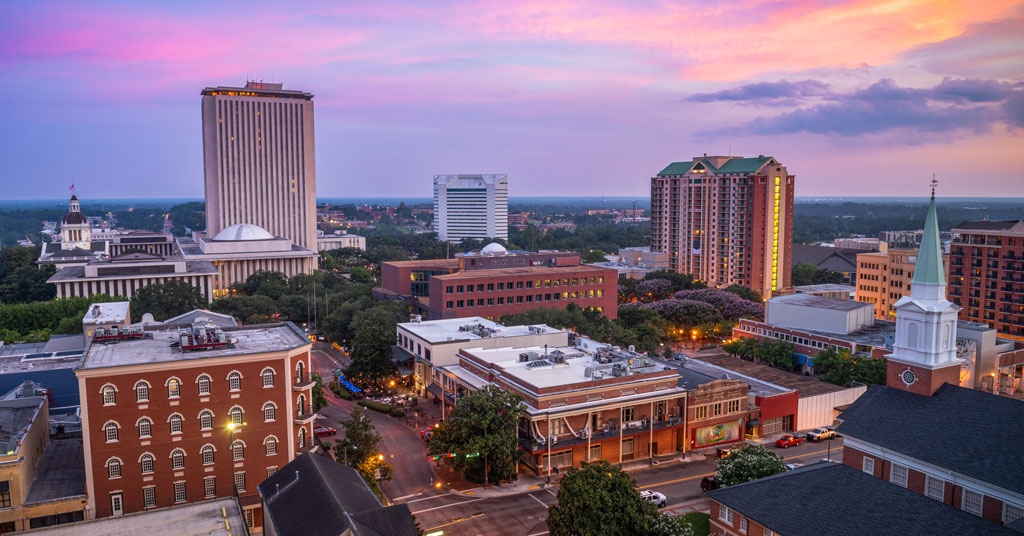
{"x": 746, "y": 463}
{"x": 668, "y": 353}
{"x": 744, "y": 348}
{"x": 651, "y": 290}
{"x": 374, "y": 335}
{"x": 842, "y": 369}
{"x": 265, "y": 283}
{"x": 666, "y": 525}
{"x": 361, "y": 439}
{"x": 728, "y": 304}
{"x": 597, "y": 499}
{"x": 28, "y": 284}
{"x": 164, "y": 300}
{"x": 687, "y": 313}
{"x": 319, "y": 399}
{"x": 482, "y": 432}
{"x": 593, "y": 255}
{"x": 679, "y": 281}
{"x": 803, "y": 274}
{"x": 360, "y": 275}
{"x": 744, "y": 292}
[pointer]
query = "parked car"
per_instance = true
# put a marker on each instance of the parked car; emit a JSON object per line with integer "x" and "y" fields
{"x": 722, "y": 452}
{"x": 324, "y": 431}
{"x": 708, "y": 483}
{"x": 787, "y": 441}
{"x": 819, "y": 434}
{"x": 655, "y": 498}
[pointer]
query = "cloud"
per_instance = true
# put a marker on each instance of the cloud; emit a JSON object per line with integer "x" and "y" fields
{"x": 778, "y": 93}
{"x": 950, "y": 106}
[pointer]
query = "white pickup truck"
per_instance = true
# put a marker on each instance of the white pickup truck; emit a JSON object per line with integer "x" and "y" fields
{"x": 819, "y": 434}
{"x": 655, "y": 498}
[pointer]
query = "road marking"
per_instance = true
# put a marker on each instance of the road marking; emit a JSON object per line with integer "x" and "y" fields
{"x": 539, "y": 533}
{"x": 452, "y": 504}
{"x": 552, "y": 493}
{"x": 676, "y": 481}
{"x": 433, "y": 496}
{"x": 533, "y": 487}
{"x": 470, "y": 518}
{"x": 407, "y": 496}
{"x": 542, "y": 503}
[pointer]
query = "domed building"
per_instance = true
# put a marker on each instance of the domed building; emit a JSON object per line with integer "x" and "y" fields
{"x": 76, "y": 246}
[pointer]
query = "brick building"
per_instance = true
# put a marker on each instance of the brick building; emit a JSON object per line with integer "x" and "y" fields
{"x": 166, "y": 423}
{"x": 883, "y": 277}
{"x": 727, "y": 220}
{"x": 987, "y": 274}
{"x": 496, "y": 282}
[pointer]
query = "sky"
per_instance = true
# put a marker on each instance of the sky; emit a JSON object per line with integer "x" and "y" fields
{"x": 860, "y": 97}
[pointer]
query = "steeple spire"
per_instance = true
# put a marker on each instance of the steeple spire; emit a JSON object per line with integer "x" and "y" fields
{"x": 929, "y": 269}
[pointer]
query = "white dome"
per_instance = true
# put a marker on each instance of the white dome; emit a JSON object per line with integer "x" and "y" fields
{"x": 244, "y": 231}
{"x": 493, "y": 248}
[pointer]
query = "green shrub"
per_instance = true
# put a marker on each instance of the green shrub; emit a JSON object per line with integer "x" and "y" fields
{"x": 381, "y": 408}
{"x": 397, "y": 412}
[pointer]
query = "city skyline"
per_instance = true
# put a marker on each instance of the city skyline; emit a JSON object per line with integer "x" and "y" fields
{"x": 865, "y": 98}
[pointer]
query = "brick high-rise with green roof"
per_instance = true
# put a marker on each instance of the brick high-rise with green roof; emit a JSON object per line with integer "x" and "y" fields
{"x": 726, "y": 219}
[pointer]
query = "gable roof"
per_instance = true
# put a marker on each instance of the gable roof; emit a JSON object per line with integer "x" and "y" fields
{"x": 829, "y": 498}
{"x": 827, "y": 258}
{"x": 957, "y": 429}
{"x": 676, "y": 168}
{"x": 315, "y": 496}
{"x": 733, "y": 165}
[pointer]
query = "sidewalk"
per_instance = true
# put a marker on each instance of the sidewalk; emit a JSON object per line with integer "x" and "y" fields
{"x": 697, "y": 505}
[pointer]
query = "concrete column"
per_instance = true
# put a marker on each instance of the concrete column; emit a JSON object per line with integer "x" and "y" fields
{"x": 650, "y": 439}
{"x": 590, "y": 433}
{"x": 621, "y": 426}
{"x": 548, "y": 432}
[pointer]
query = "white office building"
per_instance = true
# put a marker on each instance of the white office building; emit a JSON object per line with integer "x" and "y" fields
{"x": 470, "y": 206}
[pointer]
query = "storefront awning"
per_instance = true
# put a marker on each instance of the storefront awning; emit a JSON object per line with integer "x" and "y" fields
{"x": 804, "y": 359}
{"x": 401, "y": 355}
{"x": 435, "y": 390}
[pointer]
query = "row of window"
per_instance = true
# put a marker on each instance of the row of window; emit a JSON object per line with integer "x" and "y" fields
{"x": 518, "y": 285}
{"x": 203, "y": 383}
{"x": 718, "y": 408}
{"x": 727, "y": 515}
{"x": 147, "y": 462}
{"x": 209, "y": 489}
{"x": 111, "y": 429}
{"x": 531, "y": 298}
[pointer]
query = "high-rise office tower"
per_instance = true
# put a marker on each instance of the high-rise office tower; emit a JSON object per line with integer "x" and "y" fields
{"x": 259, "y": 161}
{"x": 470, "y": 206}
{"x": 726, "y": 220}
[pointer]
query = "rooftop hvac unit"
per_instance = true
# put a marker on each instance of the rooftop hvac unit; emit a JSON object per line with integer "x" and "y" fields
{"x": 553, "y": 439}
{"x": 528, "y": 356}
{"x": 584, "y": 433}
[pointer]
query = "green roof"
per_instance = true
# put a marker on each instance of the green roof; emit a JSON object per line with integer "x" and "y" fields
{"x": 676, "y": 168}
{"x": 929, "y": 270}
{"x": 734, "y": 165}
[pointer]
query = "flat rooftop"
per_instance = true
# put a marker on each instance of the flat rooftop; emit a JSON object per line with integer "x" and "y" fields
{"x": 74, "y": 273}
{"x": 192, "y": 519}
{"x": 105, "y": 313}
{"x": 450, "y": 329}
{"x": 881, "y": 333}
{"x": 426, "y": 263}
{"x": 695, "y": 373}
{"x": 788, "y": 380}
{"x": 526, "y": 270}
{"x": 825, "y": 287}
{"x": 61, "y": 472}
{"x": 15, "y": 417}
{"x": 157, "y": 347}
{"x": 820, "y": 302}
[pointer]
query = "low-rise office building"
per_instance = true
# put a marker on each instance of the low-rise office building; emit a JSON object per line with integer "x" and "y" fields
{"x": 339, "y": 240}
{"x": 124, "y": 275}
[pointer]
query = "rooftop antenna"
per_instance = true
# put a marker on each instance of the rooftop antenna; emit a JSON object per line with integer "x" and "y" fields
{"x": 934, "y": 184}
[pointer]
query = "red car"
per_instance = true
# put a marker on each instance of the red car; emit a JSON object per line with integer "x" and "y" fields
{"x": 425, "y": 433}
{"x": 787, "y": 441}
{"x": 324, "y": 431}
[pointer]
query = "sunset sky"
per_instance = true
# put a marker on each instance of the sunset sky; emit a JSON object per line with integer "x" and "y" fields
{"x": 567, "y": 98}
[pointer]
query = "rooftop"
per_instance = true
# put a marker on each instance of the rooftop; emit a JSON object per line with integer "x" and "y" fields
{"x": 820, "y": 302}
{"x": 61, "y": 472}
{"x": 257, "y": 89}
{"x": 466, "y": 329}
{"x": 695, "y": 373}
{"x": 107, "y": 313}
{"x": 15, "y": 358}
{"x": 951, "y": 429}
{"x": 443, "y": 263}
{"x": 161, "y": 345}
{"x": 72, "y": 273}
{"x": 829, "y": 498}
{"x": 194, "y": 519}
{"x": 787, "y": 380}
{"x": 985, "y": 225}
{"x": 526, "y": 270}
{"x": 15, "y": 417}
{"x": 219, "y": 319}
{"x": 825, "y": 287}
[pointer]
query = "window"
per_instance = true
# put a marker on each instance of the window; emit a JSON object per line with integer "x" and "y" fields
{"x": 110, "y": 429}
{"x": 734, "y": 406}
{"x": 627, "y": 446}
{"x": 269, "y": 411}
{"x": 271, "y": 445}
{"x": 768, "y": 532}
{"x": 145, "y": 428}
{"x": 109, "y": 395}
{"x": 743, "y": 525}
{"x": 701, "y": 412}
{"x": 5, "y": 494}
{"x": 628, "y": 414}
{"x": 207, "y": 453}
{"x": 240, "y": 481}
{"x": 148, "y": 497}
{"x": 237, "y": 451}
{"x": 868, "y": 465}
{"x": 173, "y": 388}
{"x": 204, "y": 384}
{"x": 209, "y": 487}
{"x": 595, "y": 452}
{"x": 178, "y": 459}
{"x": 248, "y": 518}
{"x": 175, "y": 422}
{"x": 716, "y": 409}
{"x": 935, "y": 488}
{"x": 301, "y": 405}
{"x": 1012, "y": 513}
{"x": 725, "y": 514}
{"x": 236, "y": 415}
{"x": 268, "y": 377}
{"x": 971, "y": 502}
{"x": 206, "y": 420}
{"x": 142, "y": 392}
{"x": 234, "y": 381}
{"x": 302, "y": 438}
{"x": 113, "y": 468}
{"x": 179, "y": 492}
{"x": 559, "y": 459}
{"x": 271, "y": 471}
{"x": 146, "y": 463}
{"x": 898, "y": 475}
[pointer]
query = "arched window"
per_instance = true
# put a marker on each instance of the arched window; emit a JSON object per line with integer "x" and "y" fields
{"x": 299, "y": 369}
{"x": 271, "y": 445}
{"x": 173, "y": 388}
{"x": 268, "y": 377}
{"x": 206, "y": 420}
{"x": 207, "y": 452}
{"x": 109, "y": 395}
{"x": 301, "y": 405}
{"x": 236, "y": 415}
{"x": 175, "y": 421}
{"x": 238, "y": 450}
{"x": 113, "y": 468}
{"x": 145, "y": 427}
{"x": 269, "y": 412}
{"x": 146, "y": 463}
{"x": 142, "y": 391}
{"x": 302, "y": 437}
{"x": 203, "y": 381}
{"x": 177, "y": 459}
{"x": 110, "y": 430}
{"x": 235, "y": 381}
{"x": 912, "y": 335}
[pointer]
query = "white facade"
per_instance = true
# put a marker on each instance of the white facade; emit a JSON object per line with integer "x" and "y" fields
{"x": 820, "y": 410}
{"x": 259, "y": 161}
{"x": 339, "y": 240}
{"x": 470, "y": 206}
{"x": 807, "y": 311}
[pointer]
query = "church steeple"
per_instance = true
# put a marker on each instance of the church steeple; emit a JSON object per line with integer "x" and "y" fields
{"x": 929, "y": 280}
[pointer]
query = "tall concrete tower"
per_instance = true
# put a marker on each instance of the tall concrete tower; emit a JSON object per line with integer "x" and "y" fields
{"x": 470, "y": 206}
{"x": 259, "y": 161}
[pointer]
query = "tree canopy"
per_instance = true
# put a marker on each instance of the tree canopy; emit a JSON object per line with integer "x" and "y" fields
{"x": 746, "y": 463}
{"x": 164, "y": 300}
{"x": 597, "y": 499}
{"x": 841, "y": 368}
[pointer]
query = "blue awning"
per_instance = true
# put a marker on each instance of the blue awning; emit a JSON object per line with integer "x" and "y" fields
{"x": 804, "y": 359}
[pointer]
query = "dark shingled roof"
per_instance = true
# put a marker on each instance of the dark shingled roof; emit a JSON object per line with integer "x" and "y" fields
{"x": 314, "y": 496}
{"x": 985, "y": 225}
{"x": 961, "y": 430}
{"x": 829, "y": 498}
{"x": 827, "y": 258}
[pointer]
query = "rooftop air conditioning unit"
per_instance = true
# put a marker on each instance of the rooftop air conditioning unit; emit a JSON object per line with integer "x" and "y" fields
{"x": 584, "y": 433}
{"x": 553, "y": 439}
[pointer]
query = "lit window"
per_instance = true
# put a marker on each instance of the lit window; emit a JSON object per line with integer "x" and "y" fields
{"x": 146, "y": 464}
{"x": 114, "y": 468}
{"x": 109, "y": 395}
{"x": 173, "y": 388}
{"x": 207, "y": 454}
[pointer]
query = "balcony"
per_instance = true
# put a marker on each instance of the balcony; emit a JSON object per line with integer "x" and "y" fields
{"x": 303, "y": 418}
{"x": 302, "y": 381}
